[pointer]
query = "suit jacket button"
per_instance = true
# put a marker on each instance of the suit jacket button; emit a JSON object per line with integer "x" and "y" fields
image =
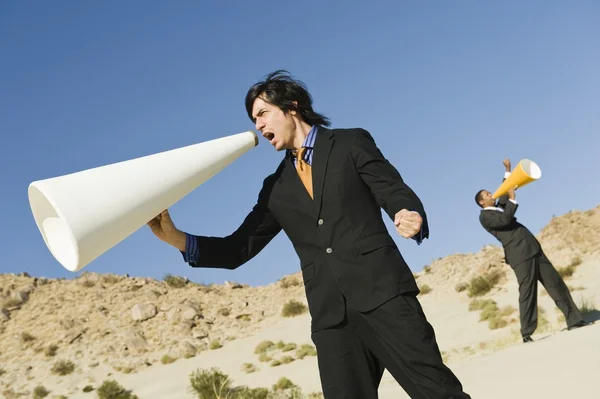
{"x": 320, "y": 222}
{"x": 329, "y": 250}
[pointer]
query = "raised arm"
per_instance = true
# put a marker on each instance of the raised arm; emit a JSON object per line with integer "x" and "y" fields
{"x": 385, "y": 182}
{"x": 504, "y": 199}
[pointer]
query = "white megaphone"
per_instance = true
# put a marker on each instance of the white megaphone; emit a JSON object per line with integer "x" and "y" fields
{"x": 84, "y": 214}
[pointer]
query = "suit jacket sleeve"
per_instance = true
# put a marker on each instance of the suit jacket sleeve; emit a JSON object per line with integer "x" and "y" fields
{"x": 502, "y": 201}
{"x": 230, "y": 252}
{"x": 496, "y": 220}
{"x": 385, "y": 182}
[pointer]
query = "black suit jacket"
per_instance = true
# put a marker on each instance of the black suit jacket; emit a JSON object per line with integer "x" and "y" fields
{"x": 518, "y": 242}
{"x": 344, "y": 247}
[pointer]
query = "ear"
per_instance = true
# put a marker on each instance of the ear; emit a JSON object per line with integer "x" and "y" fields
{"x": 293, "y": 110}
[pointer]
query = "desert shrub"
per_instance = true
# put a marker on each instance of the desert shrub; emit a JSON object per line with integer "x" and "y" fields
{"x": 243, "y": 317}
{"x": 264, "y": 346}
{"x": 425, "y": 289}
{"x": 306, "y": 350}
{"x": 215, "y": 344}
{"x": 263, "y": 358}
{"x": 214, "y": 384}
{"x": 283, "y": 383}
{"x": 566, "y": 272}
{"x": 166, "y": 359}
{"x": 290, "y": 346}
{"x": 249, "y": 368}
{"x": 110, "y": 279}
{"x": 460, "y": 287}
{"x": 293, "y": 308}
{"x": 497, "y": 323}
{"x": 88, "y": 283}
{"x": 63, "y": 367}
{"x": 51, "y": 350}
{"x": 478, "y": 304}
{"x": 586, "y": 306}
{"x": 287, "y": 282}
{"x": 209, "y": 384}
{"x": 88, "y": 388}
{"x": 174, "y": 281}
{"x": 481, "y": 285}
{"x": 111, "y": 389}
{"x": 26, "y": 337}
{"x": 40, "y": 392}
{"x": 490, "y": 312}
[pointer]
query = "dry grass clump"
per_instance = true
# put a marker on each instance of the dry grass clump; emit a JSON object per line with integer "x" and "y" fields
{"x": 424, "y": 289}
{"x": 111, "y": 389}
{"x": 568, "y": 271}
{"x": 51, "y": 350}
{"x": 267, "y": 350}
{"x": 481, "y": 285}
{"x": 214, "y": 384}
{"x": 490, "y": 312}
{"x": 460, "y": 287}
{"x": 249, "y": 368}
{"x": 289, "y": 281}
{"x": 63, "y": 367}
{"x": 306, "y": 350}
{"x": 40, "y": 392}
{"x": 586, "y": 306}
{"x": 293, "y": 308}
{"x": 166, "y": 359}
{"x": 215, "y": 344}
{"x": 175, "y": 281}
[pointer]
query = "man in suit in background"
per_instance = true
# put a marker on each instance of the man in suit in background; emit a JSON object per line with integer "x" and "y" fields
{"x": 524, "y": 254}
{"x": 326, "y": 195}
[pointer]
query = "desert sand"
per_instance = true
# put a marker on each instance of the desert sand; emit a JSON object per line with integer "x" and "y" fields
{"x": 125, "y": 326}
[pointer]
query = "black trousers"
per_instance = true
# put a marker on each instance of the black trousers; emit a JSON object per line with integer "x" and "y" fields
{"x": 396, "y": 336}
{"x": 528, "y": 273}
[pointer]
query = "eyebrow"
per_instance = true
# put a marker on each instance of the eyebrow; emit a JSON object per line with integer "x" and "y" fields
{"x": 260, "y": 111}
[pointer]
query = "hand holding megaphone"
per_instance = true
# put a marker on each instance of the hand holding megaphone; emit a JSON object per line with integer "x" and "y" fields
{"x": 511, "y": 193}
{"x": 163, "y": 227}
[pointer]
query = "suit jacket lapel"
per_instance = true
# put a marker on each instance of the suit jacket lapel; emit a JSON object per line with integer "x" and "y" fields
{"x": 322, "y": 148}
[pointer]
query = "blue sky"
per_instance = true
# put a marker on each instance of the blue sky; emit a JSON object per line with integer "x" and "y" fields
{"x": 448, "y": 90}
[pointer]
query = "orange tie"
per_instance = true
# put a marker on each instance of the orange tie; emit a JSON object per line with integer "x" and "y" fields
{"x": 304, "y": 171}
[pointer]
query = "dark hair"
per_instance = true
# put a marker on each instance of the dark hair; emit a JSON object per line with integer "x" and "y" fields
{"x": 281, "y": 90}
{"x": 478, "y": 197}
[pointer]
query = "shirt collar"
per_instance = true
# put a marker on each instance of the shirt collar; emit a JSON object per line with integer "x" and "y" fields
{"x": 309, "y": 141}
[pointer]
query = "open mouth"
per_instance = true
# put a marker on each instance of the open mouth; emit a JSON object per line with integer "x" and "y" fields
{"x": 269, "y": 136}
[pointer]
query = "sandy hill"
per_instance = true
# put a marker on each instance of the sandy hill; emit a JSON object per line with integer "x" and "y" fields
{"x": 61, "y": 338}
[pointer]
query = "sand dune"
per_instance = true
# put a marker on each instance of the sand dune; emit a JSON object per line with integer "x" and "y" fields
{"x": 558, "y": 364}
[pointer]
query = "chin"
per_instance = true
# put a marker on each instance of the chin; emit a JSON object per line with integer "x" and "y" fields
{"x": 279, "y": 147}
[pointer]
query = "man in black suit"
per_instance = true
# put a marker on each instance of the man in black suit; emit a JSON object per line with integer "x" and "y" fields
{"x": 327, "y": 195}
{"x": 526, "y": 257}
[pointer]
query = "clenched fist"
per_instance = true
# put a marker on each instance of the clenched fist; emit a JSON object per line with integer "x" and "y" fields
{"x": 408, "y": 223}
